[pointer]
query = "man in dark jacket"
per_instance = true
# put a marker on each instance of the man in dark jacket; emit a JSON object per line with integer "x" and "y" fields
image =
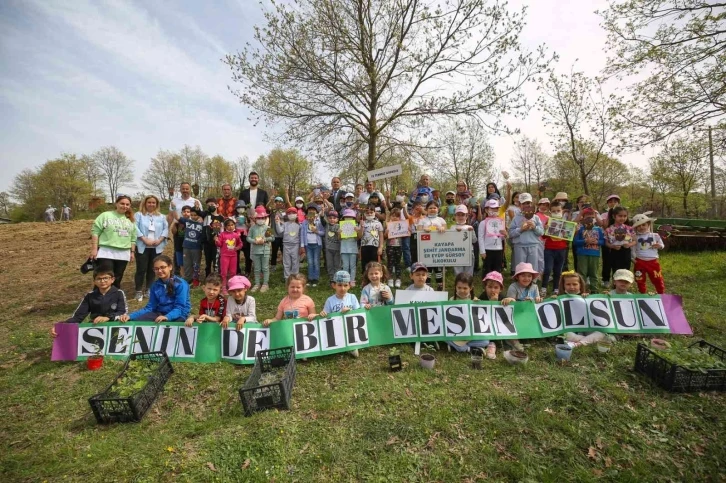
{"x": 253, "y": 196}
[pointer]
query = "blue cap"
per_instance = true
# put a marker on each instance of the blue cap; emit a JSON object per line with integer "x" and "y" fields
{"x": 341, "y": 276}
{"x": 418, "y": 266}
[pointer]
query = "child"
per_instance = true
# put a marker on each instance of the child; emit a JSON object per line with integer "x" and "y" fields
{"x": 645, "y": 253}
{"x": 193, "y": 231}
{"x": 622, "y": 280}
{"x": 229, "y": 243}
{"x": 464, "y": 284}
{"x": 433, "y": 222}
{"x": 619, "y": 239}
{"x": 177, "y": 230}
{"x": 393, "y": 249}
{"x": 332, "y": 243}
{"x": 588, "y": 240}
{"x": 555, "y": 254}
{"x": 296, "y": 304}
{"x": 292, "y": 250}
{"x": 461, "y": 215}
{"x": 278, "y": 211}
{"x": 168, "y": 296}
{"x": 260, "y": 237}
{"x": 572, "y": 283}
{"x": 212, "y": 308}
{"x": 419, "y": 275}
{"x": 543, "y": 207}
{"x": 242, "y": 226}
{"x": 524, "y": 233}
{"x": 522, "y": 289}
{"x": 375, "y": 292}
{"x": 370, "y": 234}
{"x": 105, "y": 302}
{"x": 312, "y": 241}
{"x": 492, "y": 232}
{"x": 493, "y": 287}
{"x": 241, "y": 307}
{"x": 349, "y": 248}
{"x": 341, "y": 301}
{"x": 415, "y": 220}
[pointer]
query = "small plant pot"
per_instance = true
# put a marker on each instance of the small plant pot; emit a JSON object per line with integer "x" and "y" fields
{"x": 427, "y": 361}
{"x": 516, "y": 358}
{"x": 604, "y": 346}
{"x": 394, "y": 363}
{"x": 563, "y": 352}
{"x": 476, "y": 359}
{"x": 94, "y": 363}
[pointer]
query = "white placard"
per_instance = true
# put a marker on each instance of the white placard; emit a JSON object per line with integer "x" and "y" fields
{"x": 409, "y": 296}
{"x": 451, "y": 248}
{"x": 385, "y": 172}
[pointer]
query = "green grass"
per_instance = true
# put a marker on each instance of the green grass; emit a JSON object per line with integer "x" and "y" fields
{"x": 352, "y": 420}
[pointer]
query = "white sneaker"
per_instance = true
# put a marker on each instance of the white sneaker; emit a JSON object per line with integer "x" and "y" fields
{"x": 139, "y": 296}
{"x": 255, "y": 288}
{"x": 398, "y": 283}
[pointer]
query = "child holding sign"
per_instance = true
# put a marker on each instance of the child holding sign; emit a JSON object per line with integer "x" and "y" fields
{"x": 461, "y": 216}
{"x": 213, "y": 307}
{"x": 433, "y": 222}
{"x": 393, "y": 246}
{"x": 371, "y": 236}
{"x": 645, "y": 253}
{"x": 492, "y": 232}
{"x": 296, "y": 304}
{"x": 349, "y": 243}
{"x": 523, "y": 289}
{"x": 341, "y": 301}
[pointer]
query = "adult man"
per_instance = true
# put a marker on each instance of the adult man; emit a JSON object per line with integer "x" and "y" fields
{"x": 225, "y": 204}
{"x": 66, "y": 213}
{"x": 179, "y": 202}
{"x": 253, "y": 196}
{"x": 423, "y": 192}
{"x": 369, "y": 189}
{"x": 50, "y": 214}
{"x": 336, "y": 194}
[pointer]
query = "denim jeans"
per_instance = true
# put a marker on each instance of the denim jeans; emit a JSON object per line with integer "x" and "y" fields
{"x": 313, "y": 256}
{"x": 349, "y": 261}
{"x": 553, "y": 263}
{"x": 406, "y": 250}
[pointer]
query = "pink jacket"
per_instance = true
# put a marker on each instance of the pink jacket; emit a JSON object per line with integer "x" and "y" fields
{"x": 229, "y": 242}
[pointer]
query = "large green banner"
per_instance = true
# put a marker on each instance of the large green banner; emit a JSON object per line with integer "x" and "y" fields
{"x": 415, "y": 322}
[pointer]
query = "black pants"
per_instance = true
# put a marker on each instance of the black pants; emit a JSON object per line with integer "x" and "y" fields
{"x": 248, "y": 260}
{"x": 144, "y": 268}
{"x": 118, "y": 267}
{"x": 619, "y": 259}
{"x": 393, "y": 261}
{"x": 368, "y": 254}
{"x": 210, "y": 258}
{"x": 276, "y": 248}
{"x": 493, "y": 262}
{"x": 476, "y": 257}
{"x": 414, "y": 250}
{"x": 606, "y": 267}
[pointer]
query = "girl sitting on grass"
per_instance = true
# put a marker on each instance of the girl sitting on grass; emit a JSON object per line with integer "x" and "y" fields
{"x": 463, "y": 286}
{"x": 572, "y": 283}
{"x": 296, "y": 304}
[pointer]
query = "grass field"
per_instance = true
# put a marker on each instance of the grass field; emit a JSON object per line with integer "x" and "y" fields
{"x": 351, "y": 420}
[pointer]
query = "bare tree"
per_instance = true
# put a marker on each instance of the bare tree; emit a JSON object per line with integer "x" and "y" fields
{"x": 241, "y": 171}
{"x": 91, "y": 172}
{"x": 578, "y": 114}
{"x": 532, "y": 162}
{"x": 164, "y": 174}
{"x": 116, "y": 168}
{"x": 363, "y": 68}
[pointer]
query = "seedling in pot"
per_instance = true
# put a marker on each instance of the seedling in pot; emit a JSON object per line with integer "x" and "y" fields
{"x": 394, "y": 359}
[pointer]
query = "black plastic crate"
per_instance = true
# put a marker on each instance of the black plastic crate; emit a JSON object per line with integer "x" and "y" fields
{"x": 256, "y": 397}
{"x": 108, "y": 408}
{"x": 675, "y": 378}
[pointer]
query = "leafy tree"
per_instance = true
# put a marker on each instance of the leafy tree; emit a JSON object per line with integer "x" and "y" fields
{"x": 682, "y": 163}
{"x": 92, "y": 173}
{"x": 217, "y": 171}
{"x": 116, "y": 169}
{"x": 192, "y": 162}
{"x": 579, "y": 115}
{"x": 284, "y": 169}
{"x": 364, "y": 69}
{"x": 675, "y": 51}
{"x": 164, "y": 174}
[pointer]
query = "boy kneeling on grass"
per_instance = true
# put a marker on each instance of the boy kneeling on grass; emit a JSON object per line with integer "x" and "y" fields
{"x": 105, "y": 302}
{"x": 212, "y": 308}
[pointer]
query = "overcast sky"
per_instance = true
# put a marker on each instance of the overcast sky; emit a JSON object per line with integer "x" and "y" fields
{"x": 145, "y": 76}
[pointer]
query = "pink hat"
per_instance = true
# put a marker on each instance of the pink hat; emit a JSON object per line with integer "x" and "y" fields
{"x": 492, "y": 203}
{"x": 348, "y": 213}
{"x": 524, "y": 267}
{"x": 260, "y": 212}
{"x": 496, "y": 276}
{"x": 237, "y": 282}
{"x": 543, "y": 201}
{"x": 462, "y": 209}
{"x": 612, "y": 197}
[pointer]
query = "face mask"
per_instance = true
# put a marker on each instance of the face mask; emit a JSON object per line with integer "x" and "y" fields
{"x": 556, "y": 215}
{"x": 299, "y": 205}
{"x": 449, "y": 202}
{"x": 349, "y": 204}
{"x": 370, "y": 217}
{"x": 260, "y": 222}
{"x": 528, "y": 214}
{"x": 241, "y": 220}
{"x": 240, "y": 210}
{"x": 432, "y": 216}
{"x": 212, "y": 209}
{"x": 292, "y": 217}
{"x": 424, "y": 199}
{"x": 492, "y": 213}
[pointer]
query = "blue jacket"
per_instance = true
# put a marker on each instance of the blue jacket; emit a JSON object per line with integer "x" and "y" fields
{"x": 304, "y": 233}
{"x": 161, "y": 230}
{"x": 579, "y": 242}
{"x": 174, "y": 307}
{"x": 527, "y": 237}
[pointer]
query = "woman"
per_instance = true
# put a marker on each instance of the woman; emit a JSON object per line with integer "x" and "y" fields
{"x": 168, "y": 296}
{"x": 152, "y": 230}
{"x": 112, "y": 238}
